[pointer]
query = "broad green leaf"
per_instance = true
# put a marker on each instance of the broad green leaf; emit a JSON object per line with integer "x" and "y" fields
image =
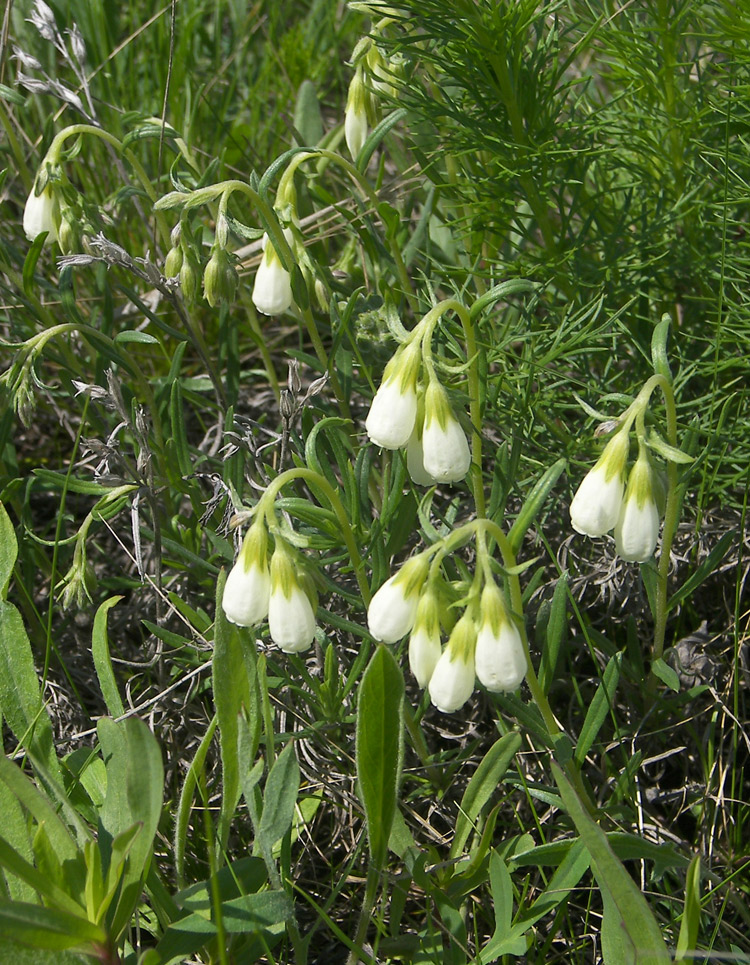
{"x": 481, "y": 787}
{"x": 379, "y": 754}
{"x": 20, "y": 695}
{"x": 8, "y": 551}
{"x": 15, "y": 954}
{"x": 47, "y": 928}
{"x": 279, "y": 799}
{"x": 135, "y": 779}
{"x": 598, "y": 708}
{"x": 142, "y": 338}
{"x": 231, "y": 697}
{"x": 41, "y": 883}
{"x": 102, "y": 660}
{"x": 308, "y": 121}
{"x": 691, "y": 915}
{"x": 667, "y": 674}
{"x": 626, "y": 909}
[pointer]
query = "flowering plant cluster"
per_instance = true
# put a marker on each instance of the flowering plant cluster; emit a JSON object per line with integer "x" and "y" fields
{"x": 485, "y": 642}
{"x": 411, "y": 410}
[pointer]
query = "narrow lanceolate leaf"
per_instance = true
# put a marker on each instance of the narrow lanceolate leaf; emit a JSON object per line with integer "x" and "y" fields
{"x": 599, "y": 708}
{"x": 691, "y": 916}
{"x": 555, "y": 634}
{"x": 279, "y": 799}
{"x": 534, "y": 502}
{"x": 8, "y": 551}
{"x": 102, "y": 660}
{"x": 481, "y": 787}
{"x": 380, "y": 742}
{"x": 632, "y": 933}
{"x": 20, "y": 695}
{"x": 47, "y": 928}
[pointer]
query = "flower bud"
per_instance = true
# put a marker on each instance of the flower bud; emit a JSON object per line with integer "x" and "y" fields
{"x": 291, "y": 617}
{"x": 220, "y": 278}
{"x": 452, "y": 681}
{"x": 248, "y": 586}
{"x": 500, "y": 657}
{"x": 445, "y": 448}
{"x": 355, "y": 117}
{"x": 189, "y": 278}
{"x": 272, "y": 291}
{"x": 393, "y": 609}
{"x": 596, "y": 505}
{"x": 68, "y": 235}
{"x": 424, "y": 642}
{"x": 637, "y": 528}
{"x": 173, "y": 262}
{"x": 41, "y": 214}
{"x": 393, "y": 412}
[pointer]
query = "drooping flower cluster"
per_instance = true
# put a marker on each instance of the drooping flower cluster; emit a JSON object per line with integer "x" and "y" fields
{"x": 373, "y": 76}
{"x": 604, "y": 503}
{"x": 257, "y": 590}
{"x": 484, "y": 643}
{"x": 406, "y": 413}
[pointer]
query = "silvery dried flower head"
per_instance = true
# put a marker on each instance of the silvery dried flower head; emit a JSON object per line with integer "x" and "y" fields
{"x": 391, "y": 613}
{"x": 248, "y": 587}
{"x": 272, "y": 291}
{"x": 500, "y": 657}
{"x": 291, "y": 615}
{"x": 424, "y": 642}
{"x": 637, "y": 528}
{"x": 41, "y": 214}
{"x": 445, "y": 449}
{"x": 452, "y": 681}
{"x": 393, "y": 412}
{"x": 596, "y": 505}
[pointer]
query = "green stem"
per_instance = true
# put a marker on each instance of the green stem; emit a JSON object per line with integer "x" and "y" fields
{"x": 265, "y": 508}
{"x": 365, "y": 915}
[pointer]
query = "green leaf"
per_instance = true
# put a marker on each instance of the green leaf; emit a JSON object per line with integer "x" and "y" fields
{"x": 377, "y": 135}
{"x": 598, "y": 708}
{"x": 135, "y": 336}
{"x": 706, "y": 568}
{"x": 279, "y": 799}
{"x": 102, "y": 661}
{"x": 135, "y": 779}
{"x": 29, "y": 264}
{"x": 308, "y": 121}
{"x": 36, "y": 879}
{"x": 534, "y": 502}
{"x": 179, "y": 435}
{"x": 185, "y": 805}
{"x": 631, "y": 927}
{"x": 8, "y": 551}
{"x": 666, "y": 674}
{"x": 47, "y": 928}
{"x": 555, "y": 634}
{"x": 379, "y": 747}
{"x": 481, "y": 787}
{"x": 20, "y": 696}
{"x": 670, "y": 453}
{"x": 691, "y": 915}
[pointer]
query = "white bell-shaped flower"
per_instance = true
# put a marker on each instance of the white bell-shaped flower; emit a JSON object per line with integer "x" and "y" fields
{"x": 272, "y": 291}
{"x": 41, "y": 214}
{"x": 500, "y": 658}
{"x": 248, "y": 586}
{"x": 393, "y": 609}
{"x": 596, "y": 505}
{"x": 452, "y": 681}
{"x": 415, "y": 460}
{"x": 637, "y": 528}
{"x": 424, "y": 642}
{"x": 291, "y": 616}
{"x": 445, "y": 449}
{"x": 393, "y": 412}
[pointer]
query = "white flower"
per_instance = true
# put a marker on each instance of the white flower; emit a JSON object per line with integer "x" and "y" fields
{"x": 393, "y": 609}
{"x": 415, "y": 461}
{"x": 445, "y": 448}
{"x": 248, "y": 586}
{"x": 452, "y": 680}
{"x": 40, "y": 215}
{"x": 272, "y": 291}
{"x": 355, "y": 116}
{"x": 596, "y": 505}
{"x": 500, "y": 657}
{"x": 393, "y": 412}
{"x": 424, "y": 642}
{"x": 291, "y": 617}
{"x": 637, "y": 528}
